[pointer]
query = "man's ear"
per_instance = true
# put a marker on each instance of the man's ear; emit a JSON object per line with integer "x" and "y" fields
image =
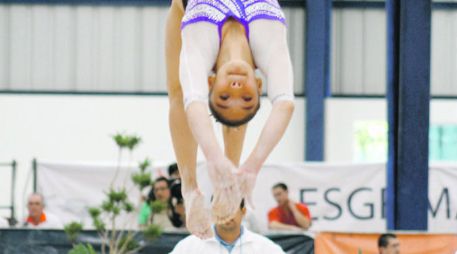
{"x": 259, "y": 85}
{"x": 211, "y": 81}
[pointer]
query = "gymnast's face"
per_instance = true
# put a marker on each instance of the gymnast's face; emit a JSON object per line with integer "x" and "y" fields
{"x": 234, "y": 91}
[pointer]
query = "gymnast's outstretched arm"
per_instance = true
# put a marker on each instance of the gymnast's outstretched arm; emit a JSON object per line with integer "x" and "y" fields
{"x": 268, "y": 41}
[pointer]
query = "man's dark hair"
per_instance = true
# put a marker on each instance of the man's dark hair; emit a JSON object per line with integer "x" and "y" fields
{"x": 383, "y": 240}
{"x": 162, "y": 179}
{"x": 173, "y": 168}
{"x": 242, "y": 204}
{"x": 280, "y": 185}
{"x": 232, "y": 123}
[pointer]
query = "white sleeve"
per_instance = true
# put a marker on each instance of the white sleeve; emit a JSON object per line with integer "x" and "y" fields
{"x": 271, "y": 247}
{"x": 268, "y": 41}
{"x": 190, "y": 244}
{"x": 200, "y": 47}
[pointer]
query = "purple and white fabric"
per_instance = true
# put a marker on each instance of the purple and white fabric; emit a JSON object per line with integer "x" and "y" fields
{"x": 244, "y": 11}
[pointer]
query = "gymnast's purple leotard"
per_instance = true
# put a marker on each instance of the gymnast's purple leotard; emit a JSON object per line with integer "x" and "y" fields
{"x": 244, "y": 11}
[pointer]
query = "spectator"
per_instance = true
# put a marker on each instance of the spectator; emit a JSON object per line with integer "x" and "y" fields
{"x": 288, "y": 215}
{"x": 173, "y": 172}
{"x": 231, "y": 236}
{"x": 172, "y": 216}
{"x": 37, "y": 218}
{"x": 388, "y": 244}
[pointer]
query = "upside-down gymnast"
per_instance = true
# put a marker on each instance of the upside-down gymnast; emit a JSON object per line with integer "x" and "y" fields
{"x": 213, "y": 48}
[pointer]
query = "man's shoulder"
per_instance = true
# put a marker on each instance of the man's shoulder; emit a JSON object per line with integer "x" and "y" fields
{"x": 303, "y": 208}
{"x": 52, "y": 221}
{"x": 183, "y": 245}
{"x": 273, "y": 210}
{"x": 263, "y": 242}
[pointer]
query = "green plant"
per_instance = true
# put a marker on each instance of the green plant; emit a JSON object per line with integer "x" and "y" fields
{"x": 127, "y": 141}
{"x": 152, "y": 231}
{"x": 82, "y": 249}
{"x": 142, "y": 178}
{"x": 158, "y": 206}
{"x": 117, "y": 202}
{"x": 72, "y": 230}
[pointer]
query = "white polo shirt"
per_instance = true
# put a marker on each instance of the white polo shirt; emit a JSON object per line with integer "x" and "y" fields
{"x": 248, "y": 243}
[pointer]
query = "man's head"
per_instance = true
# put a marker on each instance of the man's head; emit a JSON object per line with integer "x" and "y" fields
{"x": 234, "y": 96}
{"x": 173, "y": 171}
{"x": 281, "y": 194}
{"x": 35, "y": 205}
{"x": 235, "y": 223}
{"x": 388, "y": 244}
{"x": 161, "y": 189}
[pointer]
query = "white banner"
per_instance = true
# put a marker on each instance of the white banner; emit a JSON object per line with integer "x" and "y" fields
{"x": 347, "y": 198}
{"x": 442, "y": 198}
{"x": 70, "y": 189}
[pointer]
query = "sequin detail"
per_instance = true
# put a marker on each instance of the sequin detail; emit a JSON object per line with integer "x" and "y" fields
{"x": 245, "y": 11}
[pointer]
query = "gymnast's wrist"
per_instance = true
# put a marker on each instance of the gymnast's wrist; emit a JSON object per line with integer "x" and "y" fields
{"x": 215, "y": 155}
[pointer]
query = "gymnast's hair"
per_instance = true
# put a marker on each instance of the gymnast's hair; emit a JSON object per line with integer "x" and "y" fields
{"x": 232, "y": 123}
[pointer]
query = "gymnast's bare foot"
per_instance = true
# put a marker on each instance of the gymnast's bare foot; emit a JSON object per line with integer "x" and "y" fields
{"x": 227, "y": 196}
{"x": 198, "y": 220}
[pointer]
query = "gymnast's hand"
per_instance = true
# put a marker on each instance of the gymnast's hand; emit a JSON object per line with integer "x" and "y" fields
{"x": 227, "y": 197}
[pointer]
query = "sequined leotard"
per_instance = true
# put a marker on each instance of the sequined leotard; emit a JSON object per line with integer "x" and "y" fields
{"x": 244, "y": 11}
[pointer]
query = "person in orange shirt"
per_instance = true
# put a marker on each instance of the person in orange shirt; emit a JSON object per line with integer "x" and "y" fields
{"x": 37, "y": 218}
{"x": 288, "y": 215}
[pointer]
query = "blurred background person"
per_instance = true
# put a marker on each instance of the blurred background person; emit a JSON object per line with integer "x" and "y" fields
{"x": 37, "y": 217}
{"x": 288, "y": 215}
{"x": 173, "y": 172}
{"x": 388, "y": 244}
{"x": 170, "y": 199}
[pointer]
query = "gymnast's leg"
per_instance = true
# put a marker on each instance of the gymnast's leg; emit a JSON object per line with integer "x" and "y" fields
{"x": 185, "y": 147}
{"x": 233, "y": 142}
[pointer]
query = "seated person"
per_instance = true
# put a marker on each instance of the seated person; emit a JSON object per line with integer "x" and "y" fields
{"x": 37, "y": 218}
{"x": 388, "y": 244}
{"x": 288, "y": 215}
{"x": 231, "y": 236}
{"x": 167, "y": 218}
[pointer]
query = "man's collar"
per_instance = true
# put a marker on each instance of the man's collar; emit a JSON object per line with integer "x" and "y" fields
{"x": 246, "y": 236}
{"x": 42, "y": 219}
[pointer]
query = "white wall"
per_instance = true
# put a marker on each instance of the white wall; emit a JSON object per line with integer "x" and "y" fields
{"x": 341, "y": 114}
{"x": 78, "y": 128}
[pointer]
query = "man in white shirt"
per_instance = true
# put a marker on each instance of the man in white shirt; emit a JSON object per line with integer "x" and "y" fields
{"x": 230, "y": 237}
{"x": 37, "y": 218}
